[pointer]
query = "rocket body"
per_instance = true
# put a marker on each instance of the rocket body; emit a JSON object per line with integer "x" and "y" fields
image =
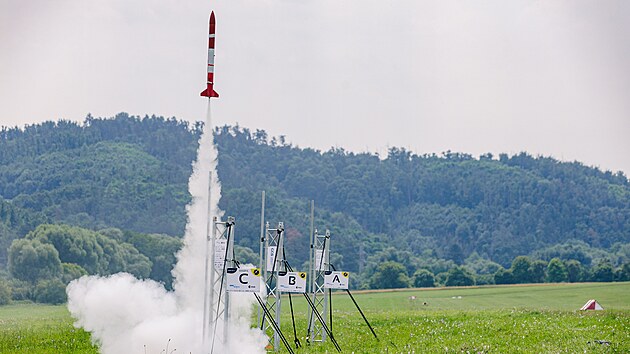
{"x": 209, "y": 91}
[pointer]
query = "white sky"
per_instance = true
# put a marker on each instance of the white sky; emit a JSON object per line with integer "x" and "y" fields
{"x": 547, "y": 77}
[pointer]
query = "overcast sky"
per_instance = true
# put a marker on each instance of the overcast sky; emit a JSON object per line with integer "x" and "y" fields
{"x": 547, "y": 77}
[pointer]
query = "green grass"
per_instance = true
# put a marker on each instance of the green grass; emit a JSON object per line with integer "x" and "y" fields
{"x": 500, "y": 319}
{"x": 30, "y": 328}
{"x": 568, "y": 297}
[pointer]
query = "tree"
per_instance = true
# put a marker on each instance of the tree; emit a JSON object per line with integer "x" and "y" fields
{"x": 556, "y": 271}
{"x": 74, "y": 244}
{"x": 31, "y": 260}
{"x": 574, "y": 271}
{"x": 484, "y": 279}
{"x": 5, "y": 293}
{"x": 538, "y": 271}
{"x": 459, "y": 276}
{"x": 245, "y": 255}
{"x": 93, "y": 251}
{"x": 454, "y": 252}
{"x": 50, "y": 291}
{"x": 161, "y": 250}
{"x": 603, "y": 272}
{"x": 390, "y": 275}
{"x": 423, "y": 278}
{"x": 624, "y": 272}
{"x": 521, "y": 270}
{"x": 503, "y": 276}
{"x": 71, "y": 271}
{"x": 480, "y": 265}
{"x": 20, "y": 289}
{"x": 135, "y": 262}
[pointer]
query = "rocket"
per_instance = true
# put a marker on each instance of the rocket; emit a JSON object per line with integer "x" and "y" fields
{"x": 209, "y": 91}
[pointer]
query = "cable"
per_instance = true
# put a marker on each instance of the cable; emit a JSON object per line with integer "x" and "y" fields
{"x": 274, "y": 324}
{"x": 321, "y": 320}
{"x": 358, "y": 308}
{"x": 319, "y": 316}
{"x": 295, "y": 338}
{"x": 330, "y": 310}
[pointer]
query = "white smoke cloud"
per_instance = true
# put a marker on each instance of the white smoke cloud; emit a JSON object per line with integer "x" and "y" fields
{"x": 127, "y": 315}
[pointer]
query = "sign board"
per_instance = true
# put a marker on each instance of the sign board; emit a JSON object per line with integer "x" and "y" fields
{"x": 336, "y": 280}
{"x": 244, "y": 280}
{"x": 319, "y": 259}
{"x": 271, "y": 256}
{"x": 220, "y": 246}
{"x": 292, "y": 282}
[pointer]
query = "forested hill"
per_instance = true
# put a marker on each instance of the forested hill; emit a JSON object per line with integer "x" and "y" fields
{"x": 425, "y": 211}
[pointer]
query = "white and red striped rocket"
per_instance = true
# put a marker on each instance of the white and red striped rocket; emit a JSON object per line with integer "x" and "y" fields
{"x": 209, "y": 91}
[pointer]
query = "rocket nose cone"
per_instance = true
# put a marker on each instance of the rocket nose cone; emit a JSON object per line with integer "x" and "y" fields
{"x": 212, "y": 17}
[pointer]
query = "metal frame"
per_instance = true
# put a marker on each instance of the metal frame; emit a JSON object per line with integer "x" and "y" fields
{"x": 273, "y": 238}
{"x": 320, "y": 300}
{"x": 216, "y": 297}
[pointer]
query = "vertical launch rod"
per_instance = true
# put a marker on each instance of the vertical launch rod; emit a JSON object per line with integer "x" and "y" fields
{"x": 262, "y": 240}
{"x": 310, "y": 252}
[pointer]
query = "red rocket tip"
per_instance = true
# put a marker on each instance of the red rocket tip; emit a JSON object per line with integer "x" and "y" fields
{"x": 212, "y": 17}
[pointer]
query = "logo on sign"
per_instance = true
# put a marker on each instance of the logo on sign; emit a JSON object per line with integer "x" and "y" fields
{"x": 336, "y": 280}
{"x": 243, "y": 280}
{"x": 292, "y": 282}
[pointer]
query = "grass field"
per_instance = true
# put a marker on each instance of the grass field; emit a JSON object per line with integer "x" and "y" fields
{"x": 30, "y": 328}
{"x": 501, "y": 319}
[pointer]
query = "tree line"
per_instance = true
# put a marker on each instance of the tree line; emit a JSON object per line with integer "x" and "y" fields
{"x": 41, "y": 264}
{"x": 447, "y": 211}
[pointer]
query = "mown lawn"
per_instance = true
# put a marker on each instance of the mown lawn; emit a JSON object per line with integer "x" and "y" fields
{"x": 502, "y": 319}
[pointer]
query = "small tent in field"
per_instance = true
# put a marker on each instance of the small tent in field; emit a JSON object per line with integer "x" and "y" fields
{"x": 592, "y": 305}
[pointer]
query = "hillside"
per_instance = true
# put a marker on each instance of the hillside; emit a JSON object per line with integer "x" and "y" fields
{"x": 423, "y": 211}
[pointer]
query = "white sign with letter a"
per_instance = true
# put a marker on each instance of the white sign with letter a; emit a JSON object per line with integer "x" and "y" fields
{"x": 336, "y": 280}
{"x": 292, "y": 282}
{"x": 244, "y": 280}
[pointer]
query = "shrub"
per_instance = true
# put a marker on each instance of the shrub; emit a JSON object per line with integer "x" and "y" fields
{"x": 32, "y": 260}
{"x": 556, "y": 271}
{"x": 50, "y": 292}
{"x": 459, "y": 276}
{"x": 484, "y": 279}
{"x": 390, "y": 275}
{"x": 71, "y": 271}
{"x": 423, "y": 278}
{"x": 603, "y": 272}
{"x": 5, "y": 293}
{"x": 503, "y": 276}
{"x": 20, "y": 289}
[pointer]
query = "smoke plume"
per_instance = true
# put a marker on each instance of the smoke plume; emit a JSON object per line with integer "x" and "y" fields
{"x": 128, "y": 315}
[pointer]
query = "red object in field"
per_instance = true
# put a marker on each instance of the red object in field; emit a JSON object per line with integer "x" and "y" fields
{"x": 209, "y": 91}
{"x": 591, "y": 305}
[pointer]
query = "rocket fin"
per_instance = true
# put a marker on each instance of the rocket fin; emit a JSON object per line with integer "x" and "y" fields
{"x": 206, "y": 93}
